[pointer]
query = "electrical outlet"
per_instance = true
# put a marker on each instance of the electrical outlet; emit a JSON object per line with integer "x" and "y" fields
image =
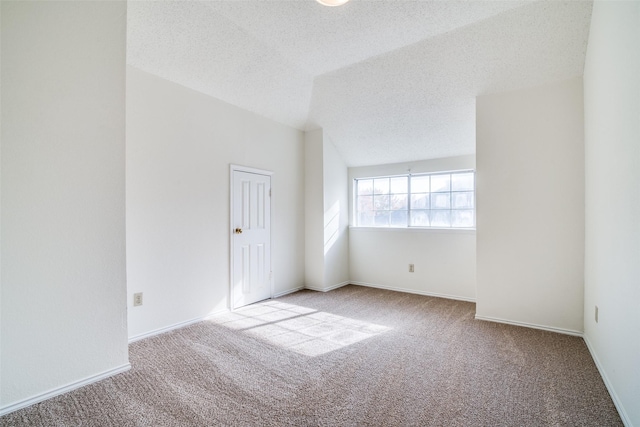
{"x": 411, "y": 269}
{"x": 137, "y": 299}
{"x": 596, "y": 314}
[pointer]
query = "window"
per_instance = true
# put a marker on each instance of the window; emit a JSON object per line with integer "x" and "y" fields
{"x": 439, "y": 200}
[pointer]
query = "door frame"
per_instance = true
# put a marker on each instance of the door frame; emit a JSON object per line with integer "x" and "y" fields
{"x": 238, "y": 168}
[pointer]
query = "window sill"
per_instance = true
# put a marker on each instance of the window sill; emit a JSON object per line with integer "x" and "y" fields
{"x": 413, "y": 230}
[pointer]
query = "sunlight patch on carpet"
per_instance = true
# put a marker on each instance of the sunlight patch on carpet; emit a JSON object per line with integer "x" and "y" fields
{"x": 301, "y": 329}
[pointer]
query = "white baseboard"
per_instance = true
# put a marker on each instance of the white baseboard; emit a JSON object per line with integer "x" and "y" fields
{"x": 413, "y": 291}
{"x": 175, "y": 326}
{"x": 336, "y": 286}
{"x": 614, "y": 396}
{"x": 327, "y": 289}
{"x": 64, "y": 389}
{"x": 195, "y": 320}
{"x": 531, "y": 325}
{"x": 287, "y": 292}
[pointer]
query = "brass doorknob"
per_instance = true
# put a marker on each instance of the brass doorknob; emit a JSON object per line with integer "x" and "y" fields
{"x": 238, "y": 230}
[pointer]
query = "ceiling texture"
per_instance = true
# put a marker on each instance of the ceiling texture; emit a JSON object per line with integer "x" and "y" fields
{"x": 387, "y": 81}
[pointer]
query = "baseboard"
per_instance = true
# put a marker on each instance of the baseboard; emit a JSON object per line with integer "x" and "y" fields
{"x": 614, "y": 396}
{"x": 64, "y": 389}
{"x": 413, "y": 291}
{"x": 330, "y": 288}
{"x": 531, "y": 325}
{"x": 195, "y": 320}
{"x": 290, "y": 291}
{"x": 175, "y": 326}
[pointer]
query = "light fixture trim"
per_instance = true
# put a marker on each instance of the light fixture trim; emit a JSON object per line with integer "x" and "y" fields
{"x": 332, "y": 3}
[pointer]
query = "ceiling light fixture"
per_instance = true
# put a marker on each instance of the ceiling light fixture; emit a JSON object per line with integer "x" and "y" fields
{"x": 332, "y": 2}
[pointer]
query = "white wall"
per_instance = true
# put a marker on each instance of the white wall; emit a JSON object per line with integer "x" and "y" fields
{"x": 63, "y": 196}
{"x": 336, "y": 217}
{"x": 0, "y": 200}
{"x": 445, "y": 260}
{"x": 326, "y": 209}
{"x": 180, "y": 144}
{"x": 530, "y": 206}
{"x": 314, "y": 208}
{"x": 612, "y": 252}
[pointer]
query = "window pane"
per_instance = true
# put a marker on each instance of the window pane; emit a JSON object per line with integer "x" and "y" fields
{"x": 419, "y": 184}
{"x": 420, "y": 201}
{"x": 462, "y": 200}
{"x": 420, "y": 218}
{"x": 382, "y": 219}
{"x": 462, "y": 181}
{"x": 462, "y": 218}
{"x": 440, "y": 200}
{"x": 365, "y": 186}
{"x": 365, "y": 203}
{"x": 398, "y": 201}
{"x": 398, "y": 218}
{"x": 365, "y": 219}
{"x": 441, "y": 218}
{"x": 381, "y": 202}
{"x": 399, "y": 185}
{"x": 440, "y": 182}
{"x": 381, "y": 186}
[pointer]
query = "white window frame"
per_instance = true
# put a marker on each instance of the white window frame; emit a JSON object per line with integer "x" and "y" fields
{"x": 409, "y": 209}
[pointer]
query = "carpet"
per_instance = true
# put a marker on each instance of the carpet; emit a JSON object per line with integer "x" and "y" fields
{"x": 354, "y": 356}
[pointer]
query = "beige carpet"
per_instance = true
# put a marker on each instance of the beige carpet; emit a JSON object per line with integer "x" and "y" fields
{"x": 351, "y": 357}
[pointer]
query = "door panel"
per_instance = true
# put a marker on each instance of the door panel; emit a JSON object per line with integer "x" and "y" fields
{"x": 251, "y": 234}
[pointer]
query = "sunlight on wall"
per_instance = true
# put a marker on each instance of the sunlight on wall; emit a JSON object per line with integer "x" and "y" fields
{"x": 301, "y": 329}
{"x": 331, "y": 226}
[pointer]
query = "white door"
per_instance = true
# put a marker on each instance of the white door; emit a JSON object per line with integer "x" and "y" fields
{"x": 251, "y": 238}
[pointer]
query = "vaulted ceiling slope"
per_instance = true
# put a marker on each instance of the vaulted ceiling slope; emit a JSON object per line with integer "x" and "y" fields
{"x": 388, "y": 81}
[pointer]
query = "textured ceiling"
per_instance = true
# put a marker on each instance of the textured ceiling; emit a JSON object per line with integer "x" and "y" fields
{"x": 388, "y": 81}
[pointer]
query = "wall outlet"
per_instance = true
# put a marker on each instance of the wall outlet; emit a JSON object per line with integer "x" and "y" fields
{"x": 137, "y": 299}
{"x": 596, "y": 314}
{"x": 411, "y": 269}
